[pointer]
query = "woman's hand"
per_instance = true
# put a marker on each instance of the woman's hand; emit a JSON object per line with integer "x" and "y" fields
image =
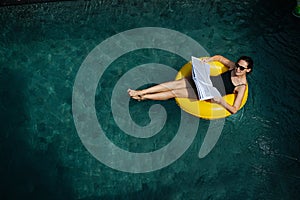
{"x": 206, "y": 59}
{"x": 217, "y": 100}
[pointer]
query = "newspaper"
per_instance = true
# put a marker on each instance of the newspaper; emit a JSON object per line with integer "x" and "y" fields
{"x": 201, "y": 77}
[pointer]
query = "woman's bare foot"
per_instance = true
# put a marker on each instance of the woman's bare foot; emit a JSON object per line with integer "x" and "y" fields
{"x": 134, "y": 93}
{"x": 138, "y": 98}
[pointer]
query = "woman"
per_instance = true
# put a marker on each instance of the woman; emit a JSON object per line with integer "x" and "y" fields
{"x": 235, "y": 81}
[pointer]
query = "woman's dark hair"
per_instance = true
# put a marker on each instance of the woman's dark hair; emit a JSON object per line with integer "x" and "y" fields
{"x": 248, "y": 60}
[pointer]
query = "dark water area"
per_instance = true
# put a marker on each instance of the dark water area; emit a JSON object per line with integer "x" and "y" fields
{"x": 42, "y": 47}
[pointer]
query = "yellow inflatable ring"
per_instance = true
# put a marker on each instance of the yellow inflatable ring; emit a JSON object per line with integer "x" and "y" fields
{"x": 206, "y": 109}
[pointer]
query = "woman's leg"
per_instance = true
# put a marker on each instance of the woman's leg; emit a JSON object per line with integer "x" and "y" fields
{"x": 158, "y": 96}
{"x": 178, "y": 93}
{"x": 163, "y": 87}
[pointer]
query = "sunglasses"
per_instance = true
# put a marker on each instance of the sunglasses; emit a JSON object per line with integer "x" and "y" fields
{"x": 241, "y": 67}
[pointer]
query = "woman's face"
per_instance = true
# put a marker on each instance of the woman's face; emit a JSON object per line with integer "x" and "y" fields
{"x": 241, "y": 68}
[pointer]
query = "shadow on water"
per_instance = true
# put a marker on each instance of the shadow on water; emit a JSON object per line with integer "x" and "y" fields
{"x": 145, "y": 193}
{"x": 25, "y": 172}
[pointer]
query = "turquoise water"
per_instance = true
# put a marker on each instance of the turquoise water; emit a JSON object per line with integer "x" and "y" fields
{"x": 42, "y": 47}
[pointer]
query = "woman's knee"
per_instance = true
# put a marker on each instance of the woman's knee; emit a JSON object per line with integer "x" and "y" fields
{"x": 180, "y": 93}
{"x": 185, "y": 93}
{"x": 181, "y": 83}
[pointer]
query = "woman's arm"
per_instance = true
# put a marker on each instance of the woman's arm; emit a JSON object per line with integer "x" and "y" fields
{"x": 228, "y": 63}
{"x": 237, "y": 103}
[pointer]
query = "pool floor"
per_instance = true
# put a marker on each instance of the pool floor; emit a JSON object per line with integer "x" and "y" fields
{"x": 42, "y": 49}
